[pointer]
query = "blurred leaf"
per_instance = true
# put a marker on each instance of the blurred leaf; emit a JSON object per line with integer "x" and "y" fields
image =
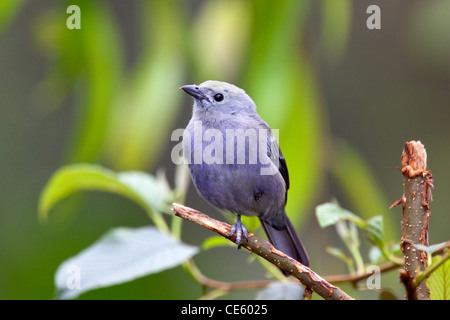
{"x": 375, "y": 228}
{"x": 121, "y": 255}
{"x": 62, "y": 47}
{"x": 148, "y": 102}
{"x": 220, "y": 38}
{"x": 338, "y": 253}
{"x": 152, "y": 191}
{"x": 99, "y": 60}
{"x": 359, "y": 185}
{"x": 336, "y": 23}
{"x": 182, "y": 180}
{"x": 374, "y": 254}
{"x": 439, "y": 283}
{"x": 88, "y": 60}
{"x": 281, "y": 81}
{"x": 139, "y": 187}
{"x": 74, "y": 178}
{"x": 274, "y": 64}
{"x": 281, "y": 291}
{"x": 300, "y": 139}
{"x": 8, "y": 9}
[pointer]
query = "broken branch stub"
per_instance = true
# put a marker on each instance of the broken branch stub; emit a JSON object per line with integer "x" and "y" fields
{"x": 417, "y": 184}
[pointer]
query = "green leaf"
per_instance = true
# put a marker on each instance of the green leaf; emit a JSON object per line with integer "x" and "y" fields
{"x": 95, "y": 52}
{"x": 80, "y": 177}
{"x": 139, "y": 131}
{"x": 139, "y": 187}
{"x": 338, "y": 253}
{"x": 276, "y": 63}
{"x": 226, "y": 25}
{"x": 375, "y": 228}
{"x": 336, "y": 26}
{"x": 121, "y": 255}
{"x": 8, "y": 10}
{"x": 329, "y": 214}
{"x": 439, "y": 283}
{"x": 152, "y": 192}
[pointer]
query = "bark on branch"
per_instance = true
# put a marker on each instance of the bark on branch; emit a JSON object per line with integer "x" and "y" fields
{"x": 417, "y": 184}
{"x": 265, "y": 250}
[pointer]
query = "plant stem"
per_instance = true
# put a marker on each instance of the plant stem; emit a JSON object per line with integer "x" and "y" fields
{"x": 421, "y": 276}
{"x": 158, "y": 220}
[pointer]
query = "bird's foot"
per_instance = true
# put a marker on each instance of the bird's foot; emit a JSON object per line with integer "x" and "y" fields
{"x": 239, "y": 229}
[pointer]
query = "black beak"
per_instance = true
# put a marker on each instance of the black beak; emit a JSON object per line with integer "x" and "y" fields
{"x": 194, "y": 91}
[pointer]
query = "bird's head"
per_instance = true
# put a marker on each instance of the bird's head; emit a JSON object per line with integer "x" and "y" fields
{"x": 219, "y": 98}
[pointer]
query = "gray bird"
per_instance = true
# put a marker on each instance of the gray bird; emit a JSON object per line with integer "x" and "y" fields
{"x": 225, "y": 129}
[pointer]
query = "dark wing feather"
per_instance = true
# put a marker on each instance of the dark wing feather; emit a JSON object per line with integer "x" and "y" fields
{"x": 284, "y": 170}
{"x": 278, "y": 159}
{"x": 274, "y": 151}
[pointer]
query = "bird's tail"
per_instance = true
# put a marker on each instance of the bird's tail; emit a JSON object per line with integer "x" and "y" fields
{"x": 286, "y": 240}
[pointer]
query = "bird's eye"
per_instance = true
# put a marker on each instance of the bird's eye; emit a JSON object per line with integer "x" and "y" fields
{"x": 218, "y": 97}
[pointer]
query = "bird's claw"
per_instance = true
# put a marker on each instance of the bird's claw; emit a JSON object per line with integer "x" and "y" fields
{"x": 239, "y": 229}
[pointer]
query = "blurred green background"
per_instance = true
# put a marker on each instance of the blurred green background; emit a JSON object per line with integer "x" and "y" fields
{"x": 345, "y": 99}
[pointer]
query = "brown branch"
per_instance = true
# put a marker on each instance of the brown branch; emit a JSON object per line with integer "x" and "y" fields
{"x": 265, "y": 250}
{"x": 417, "y": 184}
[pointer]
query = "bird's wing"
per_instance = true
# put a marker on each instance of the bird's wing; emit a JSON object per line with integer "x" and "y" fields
{"x": 273, "y": 150}
{"x": 276, "y": 156}
{"x": 283, "y": 169}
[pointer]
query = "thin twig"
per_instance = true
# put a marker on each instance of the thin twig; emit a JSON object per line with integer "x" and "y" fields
{"x": 265, "y": 250}
{"x": 385, "y": 267}
{"x": 354, "y": 278}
